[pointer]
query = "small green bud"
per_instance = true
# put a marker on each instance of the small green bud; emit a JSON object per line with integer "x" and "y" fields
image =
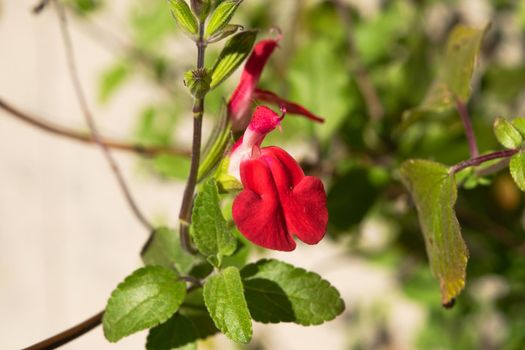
{"x": 198, "y": 82}
{"x": 201, "y": 8}
{"x": 507, "y": 134}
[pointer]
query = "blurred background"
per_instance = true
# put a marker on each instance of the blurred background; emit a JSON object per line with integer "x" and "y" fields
{"x": 67, "y": 236}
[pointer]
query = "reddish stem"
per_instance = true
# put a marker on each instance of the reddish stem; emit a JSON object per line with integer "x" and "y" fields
{"x": 482, "y": 159}
{"x": 469, "y": 131}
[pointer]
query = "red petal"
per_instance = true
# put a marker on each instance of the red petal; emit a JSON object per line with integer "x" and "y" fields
{"x": 256, "y": 210}
{"x": 291, "y": 107}
{"x": 302, "y": 199}
{"x": 306, "y": 213}
{"x": 278, "y": 201}
{"x": 241, "y": 98}
{"x": 287, "y": 173}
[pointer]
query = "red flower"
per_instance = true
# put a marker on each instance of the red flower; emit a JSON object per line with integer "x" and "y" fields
{"x": 241, "y": 99}
{"x": 278, "y": 201}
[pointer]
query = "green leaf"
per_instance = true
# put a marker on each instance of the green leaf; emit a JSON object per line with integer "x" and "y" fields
{"x": 506, "y": 133}
{"x": 224, "y": 298}
{"x": 164, "y": 249}
{"x": 145, "y": 299}
{"x": 235, "y": 51}
{"x": 221, "y": 16}
{"x": 517, "y": 169}
{"x": 519, "y": 124}
{"x": 434, "y": 193}
{"x": 177, "y": 333}
{"x": 219, "y": 140}
{"x": 112, "y": 79}
{"x": 463, "y": 48}
{"x": 455, "y": 76}
{"x": 279, "y": 292}
{"x": 181, "y": 330}
{"x": 184, "y": 17}
{"x": 209, "y": 229}
{"x": 358, "y": 184}
{"x": 191, "y": 323}
{"x": 225, "y": 32}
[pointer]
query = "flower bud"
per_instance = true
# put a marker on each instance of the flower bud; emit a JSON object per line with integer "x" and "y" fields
{"x": 198, "y": 82}
{"x": 201, "y": 8}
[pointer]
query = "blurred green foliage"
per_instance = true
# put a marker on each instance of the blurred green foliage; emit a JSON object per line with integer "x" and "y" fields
{"x": 400, "y": 45}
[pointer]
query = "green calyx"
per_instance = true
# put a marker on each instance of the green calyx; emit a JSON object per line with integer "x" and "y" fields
{"x": 198, "y": 82}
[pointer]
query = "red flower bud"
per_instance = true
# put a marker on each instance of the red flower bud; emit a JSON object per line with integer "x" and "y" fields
{"x": 239, "y": 105}
{"x": 241, "y": 99}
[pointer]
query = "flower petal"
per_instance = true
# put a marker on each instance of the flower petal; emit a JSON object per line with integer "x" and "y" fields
{"x": 286, "y": 172}
{"x": 302, "y": 198}
{"x": 291, "y": 107}
{"x": 278, "y": 201}
{"x": 257, "y": 211}
{"x": 239, "y": 104}
{"x": 305, "y": 210}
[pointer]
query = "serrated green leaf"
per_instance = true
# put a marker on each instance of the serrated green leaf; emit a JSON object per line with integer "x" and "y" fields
{"x": 146, "y": 298}
{"x": 209, "y": 229}
{"x": 191, "y": 323}
{"x": 279, "y": 292}
{"x": 519, "y": 124}
{"x": 221, "y": 16}
{"x": 434, "y": 193}
{"x": 180, "y": 331}
{"x": 224, "y": 298}
{"x": 184, "y": 17}
{"x": 164, "y": 249}
{"x": 235, "y": 51}
{"x": 517, "y": 169}
{"x": 506, "y": 133}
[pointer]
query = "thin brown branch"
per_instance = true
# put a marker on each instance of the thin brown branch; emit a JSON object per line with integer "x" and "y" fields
{"x": 82, "y": 328}
{"x": 86, "y": 137}
{"x": 69, "y": 334}
{"x": 40, "y": 6}
{"x": 70, "y": 56}
{"x": 373, "y": 103}
{"x": 189, "y": 191}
